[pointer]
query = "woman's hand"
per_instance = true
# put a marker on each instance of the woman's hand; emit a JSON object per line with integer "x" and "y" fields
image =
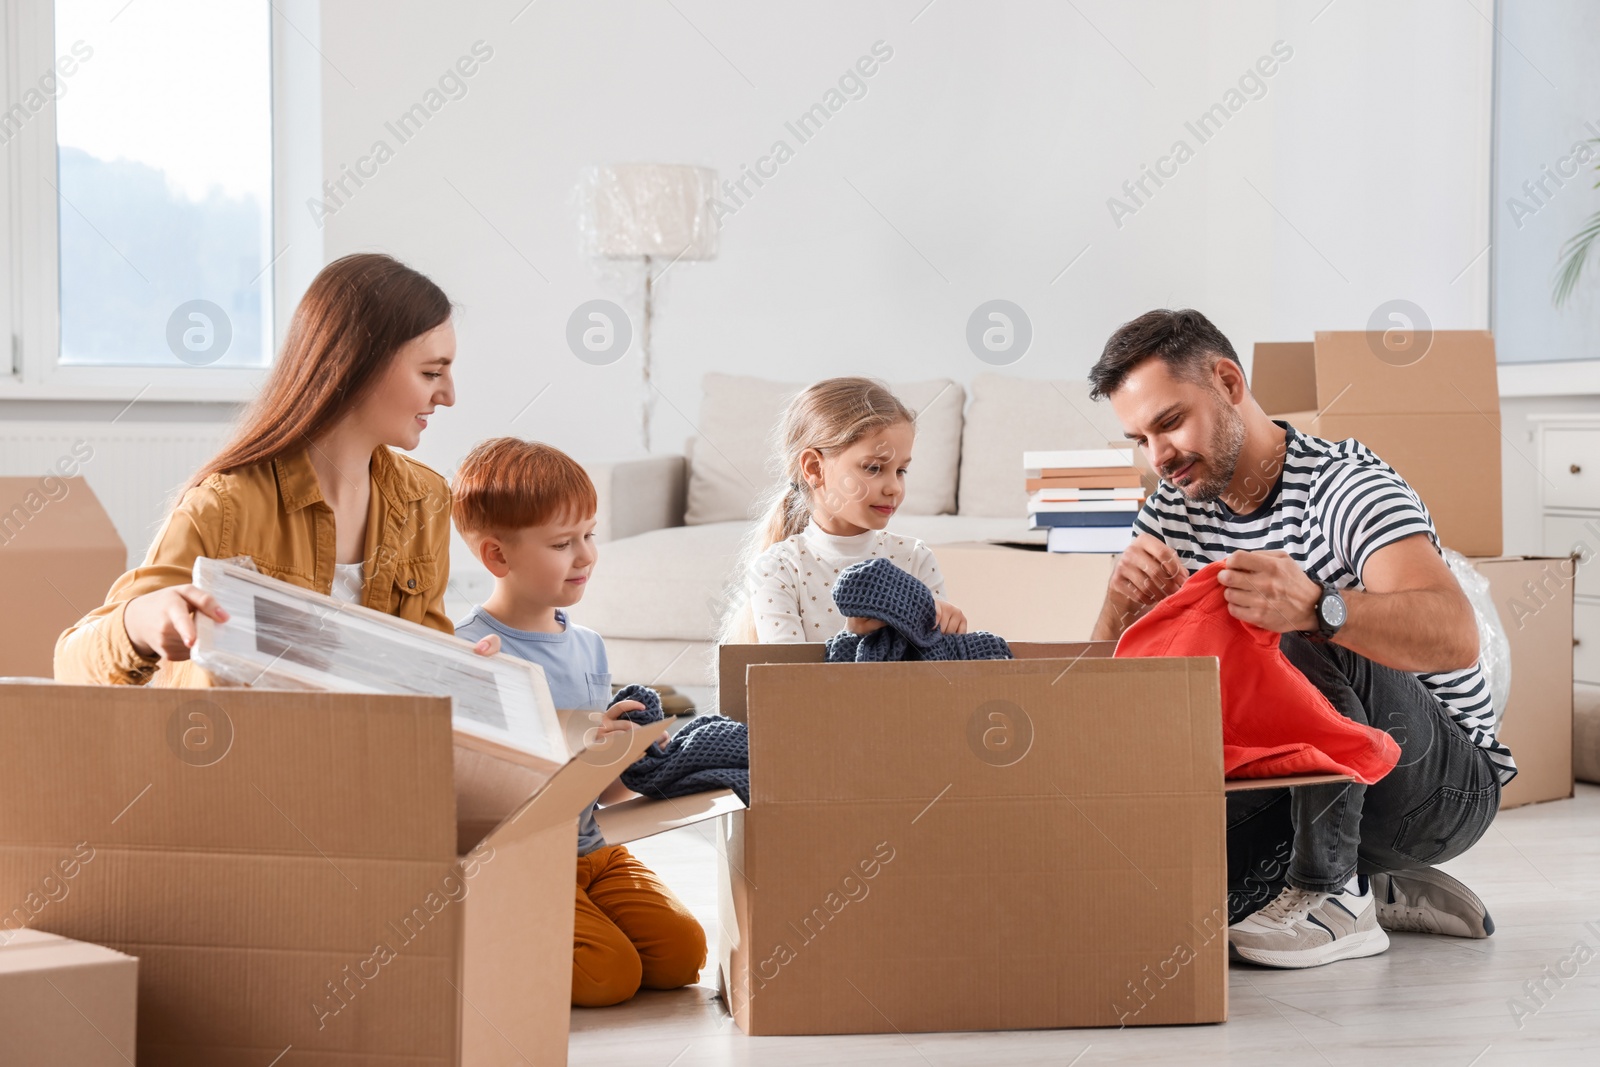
{"x": 863, "y": 626}
{"x": 950, "y": 618}
{"x": 162, "y": 623}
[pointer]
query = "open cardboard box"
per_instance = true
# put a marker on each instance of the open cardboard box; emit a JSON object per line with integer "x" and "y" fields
{"x": 975, "y": 845}
{"x": 322, "y": 877}
{"x": 1429, "y": 406}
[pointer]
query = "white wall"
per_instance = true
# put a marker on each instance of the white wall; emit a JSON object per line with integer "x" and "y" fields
{"x": 991, "y": 140}
{"x": 990, "y": 144}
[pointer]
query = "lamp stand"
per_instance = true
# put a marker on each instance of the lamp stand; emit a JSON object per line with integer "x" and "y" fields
{"x": 644, "y": 348}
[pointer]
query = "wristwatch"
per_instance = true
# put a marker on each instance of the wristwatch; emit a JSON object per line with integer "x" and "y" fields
{"x": 1330, "y": 612}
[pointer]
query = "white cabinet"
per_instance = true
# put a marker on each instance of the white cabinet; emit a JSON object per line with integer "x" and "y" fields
{"x": 1570, "y": 463}
{"x": 1569, "y": 486}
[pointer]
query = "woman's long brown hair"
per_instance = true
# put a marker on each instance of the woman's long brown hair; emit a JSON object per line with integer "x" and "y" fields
{"x": 356, "y": 314}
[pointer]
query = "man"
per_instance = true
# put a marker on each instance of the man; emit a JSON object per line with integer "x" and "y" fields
{"x": 1328, "y": 546}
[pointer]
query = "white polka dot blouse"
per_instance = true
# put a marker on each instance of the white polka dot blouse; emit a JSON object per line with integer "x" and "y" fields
{"x": 793, "y": 580}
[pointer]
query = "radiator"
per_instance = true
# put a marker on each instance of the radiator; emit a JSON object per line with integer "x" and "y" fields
{"x": 134, "y": 471}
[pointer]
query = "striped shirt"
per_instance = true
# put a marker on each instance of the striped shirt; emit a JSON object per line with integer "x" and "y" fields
{"x": 1334, "y": 504}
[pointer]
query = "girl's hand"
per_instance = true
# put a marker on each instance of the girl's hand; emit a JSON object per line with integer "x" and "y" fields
{"x": 863, "y": 626}
{"x": 950, "y": 618}
{"x": 162, "y": 623}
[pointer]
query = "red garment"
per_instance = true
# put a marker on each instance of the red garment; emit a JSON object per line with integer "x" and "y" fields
{"x": 1274, "y": 721}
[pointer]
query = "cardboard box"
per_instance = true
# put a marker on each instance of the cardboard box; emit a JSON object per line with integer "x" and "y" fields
{"x": 1430, "y": 414}
{"x": 1586, "y": 733}
{"x": 980, "y": 845}
{"x": 335, "y": 878}
{"x": 1533, "y": 596}
{"x": 1025, "y": 593}
{"x": 59, "y": 554}
{"x": 65, "y": 1002}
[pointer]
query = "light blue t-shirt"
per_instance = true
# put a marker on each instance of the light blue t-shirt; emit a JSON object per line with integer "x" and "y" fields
{"x": 574, "y": 664}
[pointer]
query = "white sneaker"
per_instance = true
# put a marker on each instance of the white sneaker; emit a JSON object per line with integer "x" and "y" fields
{"x": 1302, "y": 928}
{"x": 1428, "y": 901}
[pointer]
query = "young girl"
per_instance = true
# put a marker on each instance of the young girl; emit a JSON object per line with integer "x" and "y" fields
{"x": 309, "y": 486}
{"x": 845, "y": 445}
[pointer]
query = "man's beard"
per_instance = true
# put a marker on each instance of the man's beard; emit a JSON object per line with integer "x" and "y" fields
{"x": 1220, "y": 462}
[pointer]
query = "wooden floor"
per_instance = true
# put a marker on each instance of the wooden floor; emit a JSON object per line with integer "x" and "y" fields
{"x": 1428, "y": 1000}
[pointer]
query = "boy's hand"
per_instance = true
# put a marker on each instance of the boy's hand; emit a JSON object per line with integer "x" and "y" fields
{"x": 857, "y": 624}
{"x": 489, "y": 646}
{"x": 950, "y": 618}
{"x": 610, "y": 722}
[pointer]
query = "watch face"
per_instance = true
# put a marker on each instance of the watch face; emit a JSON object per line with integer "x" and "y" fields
{"x": 1331, "y": 608}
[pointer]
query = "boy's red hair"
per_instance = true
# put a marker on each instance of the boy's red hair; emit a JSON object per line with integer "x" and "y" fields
{"x": 507, "y": 484}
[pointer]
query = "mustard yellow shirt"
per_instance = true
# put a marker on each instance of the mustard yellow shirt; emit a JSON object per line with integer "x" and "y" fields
{"x": 275, "y": 514}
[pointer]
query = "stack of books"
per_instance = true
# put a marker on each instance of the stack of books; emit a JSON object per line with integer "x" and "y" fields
{"x": 1086, "y": 498}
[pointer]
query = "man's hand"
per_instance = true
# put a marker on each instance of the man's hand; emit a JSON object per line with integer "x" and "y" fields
{"x": 1270, "y": 590}
{"x": 1148, "y": 571}
{"x": 950, "y": 618}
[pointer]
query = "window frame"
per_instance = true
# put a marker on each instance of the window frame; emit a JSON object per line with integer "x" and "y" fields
{"x": 30, "y": 299}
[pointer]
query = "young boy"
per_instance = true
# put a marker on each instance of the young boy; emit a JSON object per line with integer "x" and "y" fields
{"x": 528, "y": 512}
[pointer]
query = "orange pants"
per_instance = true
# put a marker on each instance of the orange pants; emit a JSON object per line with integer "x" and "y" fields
{"x": 630, "y": 932}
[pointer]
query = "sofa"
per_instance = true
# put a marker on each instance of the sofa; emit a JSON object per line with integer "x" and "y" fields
{"x": 671, "y": 527}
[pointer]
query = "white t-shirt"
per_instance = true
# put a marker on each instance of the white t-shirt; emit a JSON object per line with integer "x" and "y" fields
{"x": 346, "y": 582}
{"x": 793, "y": 580}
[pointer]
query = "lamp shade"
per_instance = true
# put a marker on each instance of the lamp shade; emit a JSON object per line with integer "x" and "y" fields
{"x": 633, "y": 210}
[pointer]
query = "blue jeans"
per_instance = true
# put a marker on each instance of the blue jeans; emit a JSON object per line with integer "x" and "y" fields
{"x": 1434, "y": 805}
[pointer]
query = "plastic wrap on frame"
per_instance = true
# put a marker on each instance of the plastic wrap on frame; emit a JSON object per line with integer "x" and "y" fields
{"x": 1494, "y": 648}
{"x": 632, "y": 210}
{"x": 283, "y": 637}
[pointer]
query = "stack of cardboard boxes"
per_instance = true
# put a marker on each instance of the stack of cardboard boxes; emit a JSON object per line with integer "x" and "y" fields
{"x": 1430, "y": 408}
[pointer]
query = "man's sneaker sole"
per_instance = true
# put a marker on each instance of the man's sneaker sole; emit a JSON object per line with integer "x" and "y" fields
{"x": 1399, "y": 912}
{"x": 1351, "y": 946}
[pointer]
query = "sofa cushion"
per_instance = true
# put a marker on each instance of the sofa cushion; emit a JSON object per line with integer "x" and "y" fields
{"x": 733, "y": 461}
{"x": 675, "y": 583}
{"x": 1009, "y": 416}
{"x": 663, "y": 584}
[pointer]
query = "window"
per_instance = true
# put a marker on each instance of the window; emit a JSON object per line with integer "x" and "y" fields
{"x": 148, "y": 157}
{"x": 164, "y": 180}
{"x": 1547, "y": 147}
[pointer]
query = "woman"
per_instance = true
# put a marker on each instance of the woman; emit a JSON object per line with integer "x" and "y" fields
{"x": 308, "y": 487}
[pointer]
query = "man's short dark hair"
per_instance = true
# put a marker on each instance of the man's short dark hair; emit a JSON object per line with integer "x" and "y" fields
{"x": 1185, "y": 340}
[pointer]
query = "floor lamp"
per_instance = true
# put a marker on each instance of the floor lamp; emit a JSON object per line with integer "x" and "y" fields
{"x": 656, "y": 213}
